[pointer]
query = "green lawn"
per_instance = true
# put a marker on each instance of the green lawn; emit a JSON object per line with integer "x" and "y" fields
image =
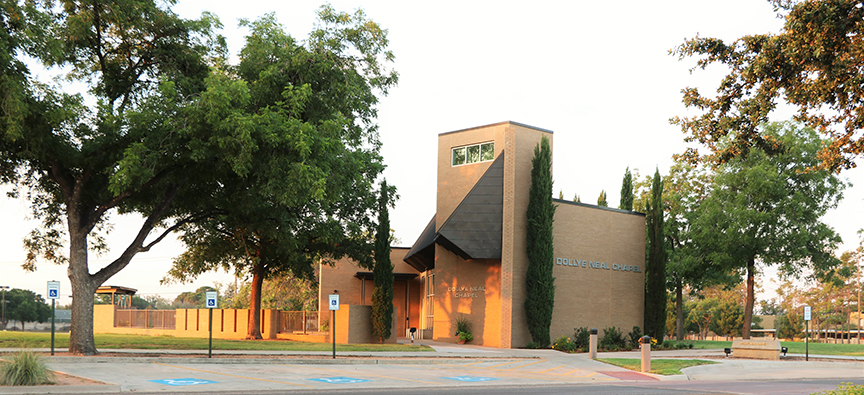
{"x": 658, "y": 366}
{"x": 794, "y": 347}
{"x": 109, "y": 341}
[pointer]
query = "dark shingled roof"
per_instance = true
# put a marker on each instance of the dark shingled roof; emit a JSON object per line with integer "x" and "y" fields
{"x": 473, "y": 230}
{"x": 421, "y": 256}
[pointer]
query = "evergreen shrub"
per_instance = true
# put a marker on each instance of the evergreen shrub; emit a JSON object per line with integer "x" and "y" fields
{"x": 613, "y": 339}
{"x": 582, "y": 338}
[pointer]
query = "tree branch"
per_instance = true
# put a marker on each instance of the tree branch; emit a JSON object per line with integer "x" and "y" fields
{"x": 135, "y": 247}
{"x": 187, "y": 220}
{"x": 98, "y": 212}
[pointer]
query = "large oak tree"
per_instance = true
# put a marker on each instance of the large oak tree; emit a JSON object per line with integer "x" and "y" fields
{"x": 304, "y": 114}
{"x": 130, "y": 152}
{"x": 766, "y": 209}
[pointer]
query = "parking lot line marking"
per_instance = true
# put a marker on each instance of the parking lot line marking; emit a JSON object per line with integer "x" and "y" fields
{"x": 232, "y": 375}
{"x": 516, "y": 374}
{"x": 472, "y": 363}
{"x": 365, "y": 374}
{"x": 547, "y": 370}
{"x": 501, "y": 364}
{"x": 527, "y": 364}
{"x": 568, "y": 373}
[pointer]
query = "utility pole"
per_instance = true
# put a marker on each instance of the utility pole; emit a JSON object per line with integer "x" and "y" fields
{"x": 4, "y": 288}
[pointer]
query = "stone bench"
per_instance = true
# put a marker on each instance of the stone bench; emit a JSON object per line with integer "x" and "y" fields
{"x": 758, "y": 348}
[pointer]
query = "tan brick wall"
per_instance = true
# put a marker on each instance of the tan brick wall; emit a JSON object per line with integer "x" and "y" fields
{"x": 454, "y": 182}
{"x": 354, "y": 325}
{"x": 597, "y": 297}
{"x": 514, "y": 261}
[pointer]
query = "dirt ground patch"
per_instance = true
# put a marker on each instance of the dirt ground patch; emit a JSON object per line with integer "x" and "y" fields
{"x": 68, "y": 379}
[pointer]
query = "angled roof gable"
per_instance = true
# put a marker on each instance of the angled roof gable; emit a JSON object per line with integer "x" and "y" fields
{"x": 474, "y": 230}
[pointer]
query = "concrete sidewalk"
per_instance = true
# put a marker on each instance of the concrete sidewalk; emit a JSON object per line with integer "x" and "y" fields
{"x": 448, "y": 366}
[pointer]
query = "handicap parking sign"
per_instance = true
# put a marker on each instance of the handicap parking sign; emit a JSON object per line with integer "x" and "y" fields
{"x": 470, "y": 379}
{"x": 183, "y": 382}
{"x": 53, "y": 290}
{"x": 211, "y": 299}
{"x": 339, "y": 380}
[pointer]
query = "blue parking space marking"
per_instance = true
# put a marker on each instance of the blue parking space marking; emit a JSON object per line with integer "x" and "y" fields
{"x": 339, "y": 380}
{"x": 183, "y": 382}
{"x": 470, "y": 379}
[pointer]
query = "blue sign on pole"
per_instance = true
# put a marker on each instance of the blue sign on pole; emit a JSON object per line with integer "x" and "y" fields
{"x": 339, "y": 380}
{"x": 470, "y": 379}
{"x": 183, "y": 382}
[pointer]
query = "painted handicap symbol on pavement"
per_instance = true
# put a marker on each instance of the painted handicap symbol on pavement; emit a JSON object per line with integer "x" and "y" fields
{"x": 182, "y": 382}
{"x": 470, "y": 379}
{"x": 339, "y": 380}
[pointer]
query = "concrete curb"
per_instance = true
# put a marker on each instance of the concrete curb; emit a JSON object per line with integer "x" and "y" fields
{"x": 64, "y": 389}
{"x": 284, "y": 361}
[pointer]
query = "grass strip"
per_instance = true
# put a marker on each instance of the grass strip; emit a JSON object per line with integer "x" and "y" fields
{"x": 114, "y": 341}
{"x": 665, "y": 367}
{"x": 794, "y": 347}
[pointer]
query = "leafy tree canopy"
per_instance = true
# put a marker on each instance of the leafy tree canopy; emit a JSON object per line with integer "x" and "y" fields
{"x": 768, "y": 208}
{"x": 304, "y": 113}
{"x": 601, "y": 200}
{"x": 26, "y": 306}
{"x": 193, "y": 300}
{"x": 814, "y": 63}
{"x": 136, "y": 150}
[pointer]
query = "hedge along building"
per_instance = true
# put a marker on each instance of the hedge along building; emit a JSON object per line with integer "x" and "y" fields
{"x": 470, "y": 260}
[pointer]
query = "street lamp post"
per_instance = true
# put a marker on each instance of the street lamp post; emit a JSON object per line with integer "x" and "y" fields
{"x": 4, "y": 288}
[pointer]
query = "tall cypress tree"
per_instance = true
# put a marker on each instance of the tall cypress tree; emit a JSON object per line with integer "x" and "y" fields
{"x": 655, "y": 268}
{"x": 382, "y": 272}
{"x": 540, "y": 285}
{"x": 601, "y": 200}
{"x": 627, "y": 191}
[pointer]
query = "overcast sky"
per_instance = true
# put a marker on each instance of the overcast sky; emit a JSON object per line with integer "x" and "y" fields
{"x": 598, "y": 74}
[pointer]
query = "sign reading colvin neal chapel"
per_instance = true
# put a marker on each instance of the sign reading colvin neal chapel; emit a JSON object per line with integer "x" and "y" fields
{"x": 597, "y": 265}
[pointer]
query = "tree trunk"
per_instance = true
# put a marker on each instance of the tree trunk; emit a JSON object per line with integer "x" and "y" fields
{"x": 748, "y": 304}
{"x": 255, "y": 301}
{"x": 81, "y": 340}
{"x": 679, "y": 311}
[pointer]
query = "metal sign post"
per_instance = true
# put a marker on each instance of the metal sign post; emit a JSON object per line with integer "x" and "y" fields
{"x": 807, "y": 315}
{"x": 334, "y": 305}
{"x": 211, "y": 304}
{"x": 53, "y": 294}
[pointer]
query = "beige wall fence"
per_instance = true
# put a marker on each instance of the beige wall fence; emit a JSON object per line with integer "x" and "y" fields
{"x": 227, "y": 323}
{"x": 298, "y": 321}
{"x": 156, "y": 319}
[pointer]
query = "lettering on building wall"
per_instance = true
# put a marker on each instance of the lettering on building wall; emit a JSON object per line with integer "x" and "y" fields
{"x": 467, "y": 292}
{"x": 597, "y": 265}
